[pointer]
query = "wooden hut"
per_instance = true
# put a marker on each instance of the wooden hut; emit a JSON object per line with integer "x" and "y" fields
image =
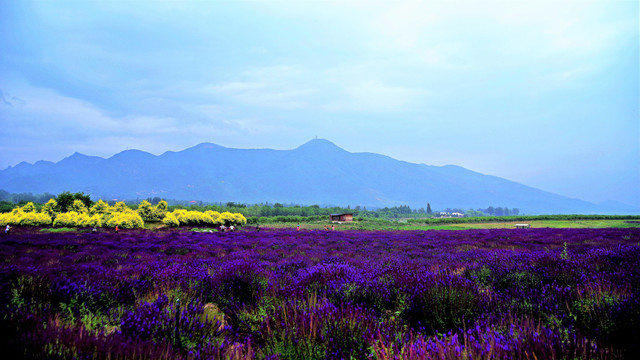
{"x": 341, "y": 217}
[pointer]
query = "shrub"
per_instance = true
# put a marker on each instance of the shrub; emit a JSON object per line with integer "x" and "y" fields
{"x": 209, "y": 218}
{"x": 50, "y": 208}
{"x": 239, "y": 219}
{"x": 19, "y": 217}
{"x": 35, "y": 219}
{"x": 125, "y": 219}
{"x": 171, "y": 220}
{"x": 94, "y": 221}
{"x": 215, "y": 216}
{"x": 227, "y": 218}
{"x": 78, "y": 206}
{"x": 160, "y": 210}
{"x": 99, "y": 207}
{"x": 29, "y": 207}
{"x": 70, "y": 219}
{"x": 6, "y": 219}
{"x": 145, "y": 210}
{"x": 120, "y": 206}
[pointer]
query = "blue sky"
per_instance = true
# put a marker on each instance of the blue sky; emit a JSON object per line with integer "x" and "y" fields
{"x": 540, "y": 92}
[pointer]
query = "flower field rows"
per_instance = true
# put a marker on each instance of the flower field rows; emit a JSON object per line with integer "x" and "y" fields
{"x": 281, "y": 294}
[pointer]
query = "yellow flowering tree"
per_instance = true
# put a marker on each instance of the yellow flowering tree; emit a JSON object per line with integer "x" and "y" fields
{"x": 215, "y": 217}
{"x": 160, "y": 210}
{"x": 29, "y": 207}
{"x": 78, "y": 206}
{"x": 50, "y": 208}
{"x": 146, "y": 211}
{"x": 120, "y": 206}
{"x": 239, "y": 219}
{"x": 21, "y": 218}
{"x": 125, "y": 219}
{"x": 100, "y": 207}
{"x": 171, "y": 220}
{"x": 70, "y": 219}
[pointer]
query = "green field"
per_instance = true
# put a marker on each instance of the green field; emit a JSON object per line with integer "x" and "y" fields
{"x": 399, "y": 225}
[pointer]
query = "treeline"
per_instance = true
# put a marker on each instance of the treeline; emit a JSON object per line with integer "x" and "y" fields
{"x": 8, "y": 201}
{"x": 284, "y": 212}
{"x": 278, "y": 212}
{"x": 463, "y": 220}
{"x": 23, "y": 198}
{"x": 78, "y": 210}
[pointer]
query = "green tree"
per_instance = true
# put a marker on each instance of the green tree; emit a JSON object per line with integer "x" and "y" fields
{"x": 428, "y": 208}
{"x": 65, "y": 200}
{"x": 86, "y": 199}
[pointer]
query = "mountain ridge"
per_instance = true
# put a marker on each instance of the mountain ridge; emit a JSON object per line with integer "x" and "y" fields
{"x": 316, "y": 172}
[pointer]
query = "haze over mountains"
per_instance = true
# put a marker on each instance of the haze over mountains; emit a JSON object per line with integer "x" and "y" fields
{"x": 317, "y": 172}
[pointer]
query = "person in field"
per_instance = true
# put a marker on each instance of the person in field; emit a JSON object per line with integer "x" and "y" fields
{"x": 298, "y": 228}
{"x": 7, "y": 229}
{"x": 117, "y": 229}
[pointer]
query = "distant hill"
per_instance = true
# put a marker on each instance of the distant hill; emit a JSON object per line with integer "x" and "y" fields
{"x": 317, "y": 172}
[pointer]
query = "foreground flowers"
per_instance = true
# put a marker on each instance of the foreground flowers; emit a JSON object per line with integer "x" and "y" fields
{"x": 545, "y": 293}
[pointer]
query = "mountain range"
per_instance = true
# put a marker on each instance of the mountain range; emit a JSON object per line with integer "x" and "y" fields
{"x": 317, "y": 172}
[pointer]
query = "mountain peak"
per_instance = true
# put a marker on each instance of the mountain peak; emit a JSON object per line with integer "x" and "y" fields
{"x": 322, "y": 145}
{"x": 22, "y": 164}
{"x": 318, "y": 171}
{"x": 79, "y": 158}
{"x": 132, "y": 154}
{"x": 74, "y": 157}
{"x": 207, "y": 145}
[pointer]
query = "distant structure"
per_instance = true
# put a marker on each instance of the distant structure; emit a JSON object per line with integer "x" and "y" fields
{"x": 450, "y": 215}
{"x": 341, "y": 217}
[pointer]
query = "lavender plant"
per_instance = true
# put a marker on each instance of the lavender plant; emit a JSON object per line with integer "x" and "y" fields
{"x": 544, "y": 293}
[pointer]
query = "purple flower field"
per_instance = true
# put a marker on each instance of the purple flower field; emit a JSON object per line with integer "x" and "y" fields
{"x": 471, "y": 294}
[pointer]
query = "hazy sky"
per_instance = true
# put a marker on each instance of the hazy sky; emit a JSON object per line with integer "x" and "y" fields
{"x": 540, "y": 92}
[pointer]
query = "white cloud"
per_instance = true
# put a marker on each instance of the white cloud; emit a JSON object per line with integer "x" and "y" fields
{"x": 280, "y": 87}
{"x": 62, "y": 124}
{"x": 52, "y": 109}
{"x": 262, "y": 94}
{"x": 456, "y": 34}
{"x": 373, "y": 95}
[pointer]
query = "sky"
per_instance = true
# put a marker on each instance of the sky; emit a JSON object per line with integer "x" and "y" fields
{"x": 545, "y": 93}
